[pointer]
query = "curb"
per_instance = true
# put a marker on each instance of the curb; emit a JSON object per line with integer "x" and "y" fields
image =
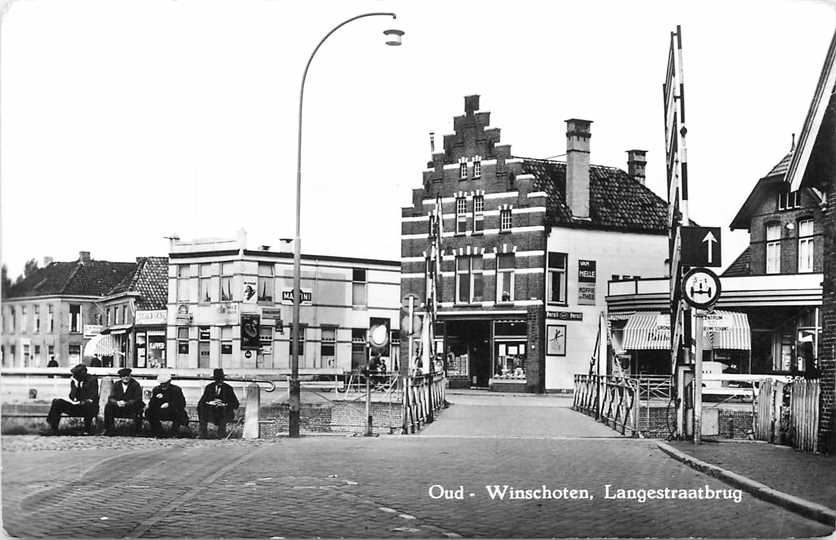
{"x": 811, "y": 510}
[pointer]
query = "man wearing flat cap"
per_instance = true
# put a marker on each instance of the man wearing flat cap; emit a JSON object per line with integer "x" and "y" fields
{"x": 217, "y": 404}
{"x": 83, "y": 402}
{"x": 125, "y": 401}
{"x": 167, "y": 403}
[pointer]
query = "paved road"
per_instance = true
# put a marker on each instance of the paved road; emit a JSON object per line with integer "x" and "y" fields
{"x": 364, "y": 487}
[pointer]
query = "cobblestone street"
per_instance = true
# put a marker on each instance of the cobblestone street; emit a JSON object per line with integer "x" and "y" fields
{"x": 366, "y": 487}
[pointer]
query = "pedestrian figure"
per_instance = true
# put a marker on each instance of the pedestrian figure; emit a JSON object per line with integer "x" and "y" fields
{"x": 96, "y": 361}
{"x": 83, "y": 402}
{"x": 217, "y": 404}
{"x": 52, "y": 363}
{"x": 167, "y": 403}
{"x": 125, "y": 401}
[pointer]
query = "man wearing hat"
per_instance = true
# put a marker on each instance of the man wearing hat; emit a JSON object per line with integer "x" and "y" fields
{"x": 217, "y": 404}
{"x": 83, "y": 402}
{"x": 167, "y": 403}
{"x": 125, "y": 401}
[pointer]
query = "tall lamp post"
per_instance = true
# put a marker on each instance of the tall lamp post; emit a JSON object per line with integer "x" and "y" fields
{"x": 393, "y": 38}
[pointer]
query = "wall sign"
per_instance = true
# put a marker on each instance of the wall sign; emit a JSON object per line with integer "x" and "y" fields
{"x": 91, "y": 330}
{"x": 249, "y": 290}
{"x": 305, "y": 300}
{"x": 587, "y": 277}
{"x": 556, "y": 339}
{"x": 156, "y": 316}
{"x": 565, "y": 315}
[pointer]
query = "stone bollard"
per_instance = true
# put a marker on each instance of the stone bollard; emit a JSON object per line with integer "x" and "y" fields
{"x": 252, "y": 428}
{"x": 105, "y": 386}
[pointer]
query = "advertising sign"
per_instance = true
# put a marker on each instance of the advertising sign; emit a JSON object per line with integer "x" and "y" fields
{"x": 587, "y": 277}
{"x": 306, "y": 299}
{"x": 249, "y": 290}
{"x": 156, "y": 316}
{"x": 91, "y": 330}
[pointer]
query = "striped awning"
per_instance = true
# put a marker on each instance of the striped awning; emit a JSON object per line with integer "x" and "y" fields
{"x": 728, "y": 330}
{"x": 102, "y": 345}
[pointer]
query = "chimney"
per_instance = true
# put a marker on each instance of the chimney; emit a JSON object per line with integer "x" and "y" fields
{"x": 84, "y": 257}
{"x": 577, "y": 167}
{"x": 471, "y": 104}
{"x": 47, "y": 261}
{"x": 636, "y": 161}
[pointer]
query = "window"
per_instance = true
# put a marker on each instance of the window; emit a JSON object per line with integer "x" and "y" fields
{"x": 226, "y": 344}
{"x": 24, "y": 323}
{"x": 11, "y": 320}
{"x": 478, "y": 214}
{"x": 477, "y": 167}
{"x": 183, "y": 288}
{"x": 358, "y": 348}
{"x": 226, "y": 281}
{"x": 51, "y": 352}
{"x": 182, "y": 341}
{"x": 266, "y": 283}
{"x": 463, "y": 169}
{"x": 50, "y": 320}
{"x": 300, "y": 340}
{"x": 13, "y": 354}
{"x": 38, "y": 355}
{"x": 469, "y": 283}
{"x": 461, "y": 215}
{"x": 107, "y": 317}
{"x": 205, "y": 292}
{"x": 124, "y": 315}
{"x": 805, "y": 245}
{"x": 773, "y": 248}
{"x": 505, "y": 277}
{"x": 37, "y": 315}
{"x": 505, "y": 220}
{"x": 26, "y": 356}
{"x": 328, "y": 347}
{"x": 788, "y": 200}
{"x": 557, "y": 278}
{"x": 75, "y": 318}
{"x": 358, "y": 287}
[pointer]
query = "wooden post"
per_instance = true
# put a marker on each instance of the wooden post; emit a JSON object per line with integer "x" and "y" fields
{"x": 252, "y": 428}
{"x": 698, "y": 316}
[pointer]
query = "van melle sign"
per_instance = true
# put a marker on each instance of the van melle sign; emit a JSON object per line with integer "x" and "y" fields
{"x": 587, "y": 276}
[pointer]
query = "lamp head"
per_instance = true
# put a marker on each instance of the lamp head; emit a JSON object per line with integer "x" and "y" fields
{"x": 393, "y": 37}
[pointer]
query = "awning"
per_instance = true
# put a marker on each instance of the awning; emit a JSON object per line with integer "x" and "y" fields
{"x": 117, "y": 329}
{"x": 102, "y": 345}
{"x": 727, "y": 330}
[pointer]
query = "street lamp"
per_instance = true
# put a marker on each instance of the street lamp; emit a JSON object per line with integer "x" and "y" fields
{"x": 393, "y": 38}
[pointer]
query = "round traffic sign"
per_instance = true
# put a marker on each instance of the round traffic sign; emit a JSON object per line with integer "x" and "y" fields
{"x": 701, "y": 288}
{"x": 378, "y": 336}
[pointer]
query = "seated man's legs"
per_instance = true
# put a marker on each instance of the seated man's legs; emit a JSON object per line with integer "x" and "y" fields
{"x": 215, "y": 415}
{"x": 58, "y": 407}
{"x": 111, "y": 411}
{"x": 61, "y": 406}
{"x": 134, "y": 412}
{"x": 156, "y": 416}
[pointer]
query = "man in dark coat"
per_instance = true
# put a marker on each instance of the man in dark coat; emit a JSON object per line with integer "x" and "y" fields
{"x": 125, "y": 401}
{"x": 217, "y": 404}
{"x": 167, "y": 403}
{"x": 83, "y": 402}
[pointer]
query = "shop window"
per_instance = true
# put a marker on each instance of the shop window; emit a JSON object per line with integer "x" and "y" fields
{"x": 773, "y": 248}
{"x": 805, "y": 245}
{"x": 478, "y": 214}
{"x": 505, "y": 277}
{"x": 37, "y": 315}
{"x": 182, "y": 341}
{"x": 75, "y": 353}
{"x": 477, "y": 167}
{"x": 505, "y": 220}
{"x": 266, "y": 283}
{"x": 75, "y": 318}
{"x": 183, "y": 283}
{"x": 461, "y": 215}
{"x": 328, "y": 347}
{"x": 206, "y": 293}
{"x": 359, "y": 288}
{"x": 226, "y": 342}
{"x": 557, "y": 278}
{"x": 358, "y": 348}
{"x": 227, "y": 270}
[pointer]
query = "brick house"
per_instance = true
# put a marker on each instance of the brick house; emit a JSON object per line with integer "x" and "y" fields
{"x": 55, "y": 311}
{"x": 524, "y": 243}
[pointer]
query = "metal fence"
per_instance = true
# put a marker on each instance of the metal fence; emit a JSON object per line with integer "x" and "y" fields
{"x": 788, "y": 413}
{"x": 611, "y": 400}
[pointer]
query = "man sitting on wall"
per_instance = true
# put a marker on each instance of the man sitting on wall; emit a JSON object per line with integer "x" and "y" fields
{"x": 217, "y": 404}
{"x": 84, "y": 401}
{"x": 167, "y": 403}
{"x": 125, "y": 401}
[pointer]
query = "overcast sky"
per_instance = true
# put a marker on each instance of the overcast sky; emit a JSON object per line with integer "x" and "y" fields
{"x": 123, "y": 122}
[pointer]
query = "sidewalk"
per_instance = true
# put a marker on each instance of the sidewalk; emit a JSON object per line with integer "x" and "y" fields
{"x": 805, "y": 475}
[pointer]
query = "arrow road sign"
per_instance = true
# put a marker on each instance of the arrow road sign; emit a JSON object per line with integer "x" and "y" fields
{"x": 701, "y": 246}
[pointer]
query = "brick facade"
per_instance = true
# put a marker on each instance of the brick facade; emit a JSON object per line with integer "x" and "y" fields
{"x": 827, "y": 347}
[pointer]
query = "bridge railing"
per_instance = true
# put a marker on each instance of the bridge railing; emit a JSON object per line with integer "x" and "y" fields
{"x": 611, "y": 400}
{"x": 423, "y": 396}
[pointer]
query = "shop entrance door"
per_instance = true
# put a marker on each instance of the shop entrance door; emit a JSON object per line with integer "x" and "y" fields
{"x": 472, "y": 338}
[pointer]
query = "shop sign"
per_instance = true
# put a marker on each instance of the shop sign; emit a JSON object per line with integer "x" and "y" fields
{"x": 226, "y": 314}
{"x": 587, "y": 276}
{"x": 249, "y": 290}
{"x": 306, "y": 299}
{"x": 183, "y": 315}
{"x": 157, "y": 316}
{"x": 91, "y": 330}
{"x": 565, "y": 315}
{"x": 203, "y": 334}
{"x": 717, "y": 321}
{"x": 271, "y": 313}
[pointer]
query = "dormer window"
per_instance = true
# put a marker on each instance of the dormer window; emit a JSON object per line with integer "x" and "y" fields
{"x": 788, "y": 200}
{"x": 477, "y": 167}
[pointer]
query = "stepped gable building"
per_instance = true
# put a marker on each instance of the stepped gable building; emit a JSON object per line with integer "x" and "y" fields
{"x": 54, "y": 311}
{"x": 135, "y": 314}
{"x": 525, "y": 243}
